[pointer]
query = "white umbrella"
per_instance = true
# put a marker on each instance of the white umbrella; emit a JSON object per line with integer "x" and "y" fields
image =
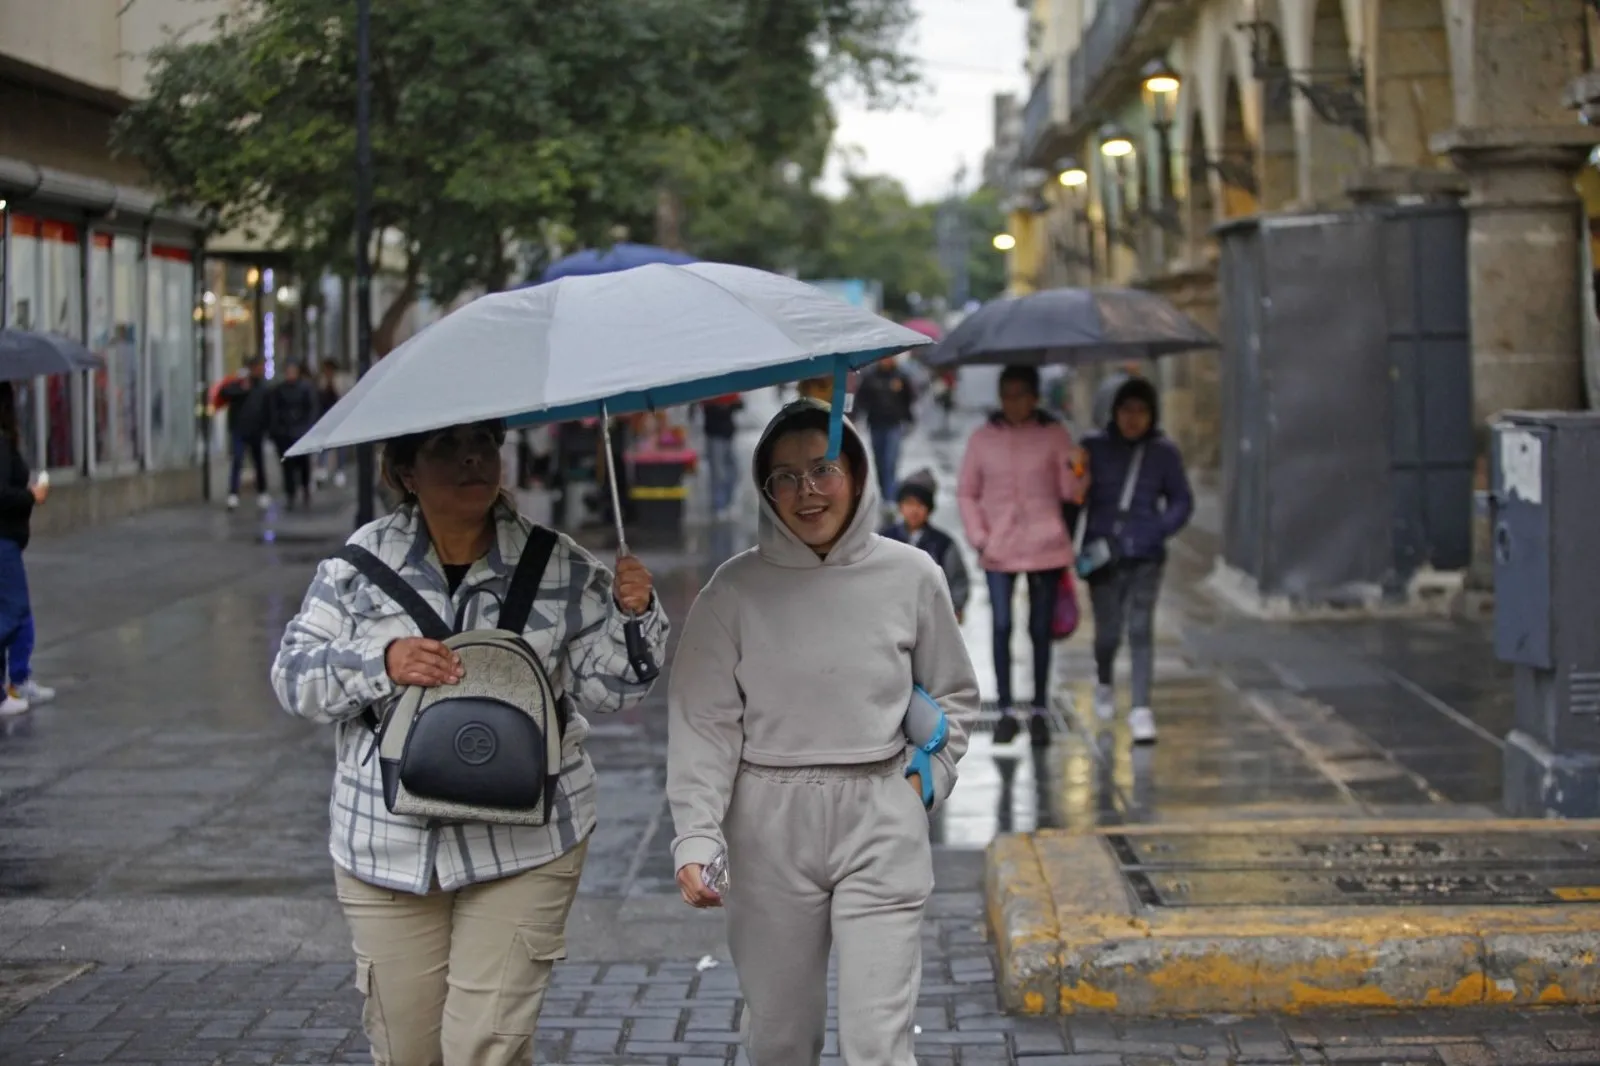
{"x": 642, "y": 339}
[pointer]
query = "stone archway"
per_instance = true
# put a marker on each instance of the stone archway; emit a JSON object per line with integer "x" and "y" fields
{"x": 1409, "y": 84}
{"x": 1236, "y": 161}
{"x": 1334, "y": 153}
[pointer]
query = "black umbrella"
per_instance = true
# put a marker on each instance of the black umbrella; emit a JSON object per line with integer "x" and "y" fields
{"x": 1070, "y": 326}
{"x": 25, "y": 355}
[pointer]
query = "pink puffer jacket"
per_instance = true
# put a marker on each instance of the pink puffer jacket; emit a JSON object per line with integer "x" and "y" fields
{"x": 1014, "y": 480}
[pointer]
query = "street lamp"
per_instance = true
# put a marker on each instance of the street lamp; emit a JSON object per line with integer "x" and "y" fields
{"x": 1115, "y": 142}
{"x": 1004, "y": 242}
{"x": 1161, "y": 85}
{"x": 1072, "y": 176}
{"x": 1117, "y": 146}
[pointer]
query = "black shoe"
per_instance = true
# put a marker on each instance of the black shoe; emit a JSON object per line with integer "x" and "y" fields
{"x": 1006, "y": 729}
{"x": 1039, "y": 730}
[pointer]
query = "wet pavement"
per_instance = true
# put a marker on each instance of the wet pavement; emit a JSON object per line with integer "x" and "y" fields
{"x": 165, "y": 890}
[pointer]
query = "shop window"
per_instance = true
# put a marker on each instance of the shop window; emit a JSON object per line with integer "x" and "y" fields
{"x": 24, "y": 314}
{"x": 113, "y": 335}
{"x": 61, "y": 301}
{"x": 174, "y": 377}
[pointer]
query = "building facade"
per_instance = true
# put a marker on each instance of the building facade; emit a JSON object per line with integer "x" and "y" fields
{"x": 1156, "y": 124}
{"x": 90, "y": 253}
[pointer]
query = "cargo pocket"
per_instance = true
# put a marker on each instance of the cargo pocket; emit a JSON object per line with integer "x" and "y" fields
{"x": 534, "y": 951}
{"x": 371, "y": 1009}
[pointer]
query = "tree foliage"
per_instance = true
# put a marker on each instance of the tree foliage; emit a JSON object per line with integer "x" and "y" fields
{"x": 496, "y": 122}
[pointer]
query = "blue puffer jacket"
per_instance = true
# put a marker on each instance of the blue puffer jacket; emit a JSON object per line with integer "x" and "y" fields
{"x": 1162, "y": 501}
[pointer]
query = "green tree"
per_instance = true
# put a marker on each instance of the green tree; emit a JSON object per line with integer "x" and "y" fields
{"x": 874, "y": 231}
{"x": 986, "y": 268}
{"x": 482, "y": 134}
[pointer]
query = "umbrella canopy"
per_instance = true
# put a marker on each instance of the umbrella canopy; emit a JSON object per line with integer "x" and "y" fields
{"x": 643, "y": 339}
{"x": 25, "y": 355}
{"x": 925, "y": 326}
{"x": 622, "y": 256}
{"x": 1070, "y": 326}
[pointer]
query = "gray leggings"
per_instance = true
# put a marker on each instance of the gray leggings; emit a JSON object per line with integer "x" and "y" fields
{"x": 1124, "y": 594}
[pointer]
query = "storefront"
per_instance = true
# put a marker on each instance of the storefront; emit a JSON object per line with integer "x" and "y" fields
{"x": 99, "y": 263}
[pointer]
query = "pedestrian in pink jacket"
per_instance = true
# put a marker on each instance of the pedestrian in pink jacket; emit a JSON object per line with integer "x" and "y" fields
{"x": 1019, "y": 469}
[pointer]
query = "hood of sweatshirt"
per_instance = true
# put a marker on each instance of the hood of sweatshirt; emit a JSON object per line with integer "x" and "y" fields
{"x": 776, "y": 542}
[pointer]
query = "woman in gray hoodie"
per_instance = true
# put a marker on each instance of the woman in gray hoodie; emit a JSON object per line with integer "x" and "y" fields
{"x": 786, "y": 747}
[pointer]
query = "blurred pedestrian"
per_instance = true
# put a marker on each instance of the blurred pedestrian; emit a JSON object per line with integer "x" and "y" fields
{"x": 1018, "y": 471}
{"x": 19, "y": 495}
{"x": 245, "y": 397}
{"x": 787, "y": 752}
{"x": 1100, "y": 408}
{"x": 722, "y": 465}
{"x": 292, "y": 409}
{"x": 915, "y": 500}
{"x": 1139, "y": 498}
{"x": 886, "y": 398}
{"x": 457, "y": 927}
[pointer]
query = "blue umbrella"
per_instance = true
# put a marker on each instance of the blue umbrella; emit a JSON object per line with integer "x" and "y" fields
{"x": 623, "y": 256}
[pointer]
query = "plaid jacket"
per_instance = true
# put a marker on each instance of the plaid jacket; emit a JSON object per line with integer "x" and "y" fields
{"x": 331, "y": 666}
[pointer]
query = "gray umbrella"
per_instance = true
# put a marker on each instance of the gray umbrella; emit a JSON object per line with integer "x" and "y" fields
{"x": 1070, "y": 326}
{"x": 25, "y": 355}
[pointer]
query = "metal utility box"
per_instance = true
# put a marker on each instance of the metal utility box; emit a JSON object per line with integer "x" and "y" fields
{"x": 1348, "y": 448}
{"x": 1545, "y": 468}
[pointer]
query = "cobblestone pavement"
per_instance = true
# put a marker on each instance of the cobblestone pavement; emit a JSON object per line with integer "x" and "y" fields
{"x": 164, "y": 885}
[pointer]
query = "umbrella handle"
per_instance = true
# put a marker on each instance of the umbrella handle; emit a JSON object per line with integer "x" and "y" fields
{"x": 841, "y": 387}
{"x": 639, "y": 657}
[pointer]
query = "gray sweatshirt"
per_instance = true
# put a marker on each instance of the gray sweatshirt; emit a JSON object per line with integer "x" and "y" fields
{"x": 791, "y": 660}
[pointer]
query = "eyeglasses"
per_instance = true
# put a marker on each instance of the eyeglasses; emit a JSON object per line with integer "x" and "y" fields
{"x": 824, "y": 479}
{"x": 450, "y": 445}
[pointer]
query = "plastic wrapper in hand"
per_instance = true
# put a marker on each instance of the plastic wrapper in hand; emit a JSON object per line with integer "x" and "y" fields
{"x": 715, "y": 874}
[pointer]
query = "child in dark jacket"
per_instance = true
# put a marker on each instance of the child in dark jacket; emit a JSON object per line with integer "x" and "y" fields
{"x": 915, "y": 498}
{"x": 1139, "y": 498}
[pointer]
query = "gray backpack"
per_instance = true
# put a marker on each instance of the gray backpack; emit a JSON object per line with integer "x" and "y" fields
{"x": 487, "y": 749}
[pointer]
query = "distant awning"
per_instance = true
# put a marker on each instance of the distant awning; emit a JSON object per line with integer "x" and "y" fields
{"x": 22, "y": 179}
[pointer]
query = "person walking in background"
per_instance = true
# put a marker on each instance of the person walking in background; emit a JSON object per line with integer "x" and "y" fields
{"x": 1018, "y": 471}
{"x": 1106, "y": 392}
{"x": 787, "y": 752}
{"x": 721, "y": 463}
{"x": 332, "y": 461}
{"x": 19, "y": 495}
{"x": 292, "y": 409}
{"x": 1139, "y": 498}
{"x": 916, "y": 500}
{"x": 886, "y": 399}
{"x": 245, "y": 396}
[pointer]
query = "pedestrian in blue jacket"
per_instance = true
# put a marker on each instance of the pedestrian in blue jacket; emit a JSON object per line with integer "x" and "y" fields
{"x": 1139, "y": 498}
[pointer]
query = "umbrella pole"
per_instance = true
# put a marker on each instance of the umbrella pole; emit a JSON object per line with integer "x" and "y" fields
{"x": 639, "y": 657}
{"x": 841, "y": 388}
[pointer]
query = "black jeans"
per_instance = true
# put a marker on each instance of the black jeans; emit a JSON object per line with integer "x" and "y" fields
{"x": 1043, "y": 587}
{"x": 297, "y": 477}
{"x": 255, "y": 449}
{"x": 1123, "y": 596}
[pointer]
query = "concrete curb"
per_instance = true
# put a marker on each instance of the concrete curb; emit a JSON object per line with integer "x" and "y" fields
{"x": 1071, "y": 939}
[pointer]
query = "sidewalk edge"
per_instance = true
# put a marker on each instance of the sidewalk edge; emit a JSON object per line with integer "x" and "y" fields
{"x": 1022, "y": 921}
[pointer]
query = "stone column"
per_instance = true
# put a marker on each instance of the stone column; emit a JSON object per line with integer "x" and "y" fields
{"x": 1525, "y": 222}
{"x": 1191, "y": 383}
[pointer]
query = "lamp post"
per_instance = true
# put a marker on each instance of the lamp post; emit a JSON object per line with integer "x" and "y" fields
{"x": 1161, "y": 85}
{"x": 1072, "y": 176}
{"x": 366, "y": 467}
{"x": 1116, "y": 146}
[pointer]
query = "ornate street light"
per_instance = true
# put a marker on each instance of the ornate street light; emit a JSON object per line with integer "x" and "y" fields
{"x": 1117, "y": 147}
{"x": 1339, "y": 97}
{"x": 1073, "y": 176}
{"x": 1161, "y": 85}
{"x": 1115, "y": 142}
{"x": 1004, "y": 242}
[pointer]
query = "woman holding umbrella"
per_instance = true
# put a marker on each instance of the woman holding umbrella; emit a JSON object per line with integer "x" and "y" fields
{"x": 1020, "y": 467}
{"x": 786, "y": 748}
{"x": 17, "y": 500}
{"x": 456, "y": 927}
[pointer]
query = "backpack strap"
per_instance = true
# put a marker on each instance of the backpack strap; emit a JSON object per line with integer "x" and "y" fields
{"x": 398, "y": 589}
{"x": 526, "y": 579}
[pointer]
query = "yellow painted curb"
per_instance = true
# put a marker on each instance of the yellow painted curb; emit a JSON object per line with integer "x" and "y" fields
{"x": 1072, "y": 939}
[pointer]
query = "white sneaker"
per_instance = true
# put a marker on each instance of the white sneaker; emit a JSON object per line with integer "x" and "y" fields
{"x": 263, "y": 501}
{"x": 233, "y": 501}
{"x": 33, "y": 693}
{"x": 1105, "y": 702}
{"x": 13, "y": 704}
{"x": 1142, "y": 724}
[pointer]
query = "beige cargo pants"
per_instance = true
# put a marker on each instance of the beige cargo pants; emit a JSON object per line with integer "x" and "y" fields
{"x": 822, "y": 857}
{"x": 458, "y": 978}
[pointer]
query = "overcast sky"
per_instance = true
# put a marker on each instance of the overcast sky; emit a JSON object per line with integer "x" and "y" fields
{"x": 970, "y": 50}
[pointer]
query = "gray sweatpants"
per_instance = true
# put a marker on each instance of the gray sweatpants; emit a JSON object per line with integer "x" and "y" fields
{"x": 1123, "y": 596}
{"x": 821, "y": 856}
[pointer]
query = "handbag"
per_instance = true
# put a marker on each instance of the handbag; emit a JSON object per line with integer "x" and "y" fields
{"x": 1066, "y": 619}
{"x": 487, "y": 749}
{"x": 1101, "y": 551}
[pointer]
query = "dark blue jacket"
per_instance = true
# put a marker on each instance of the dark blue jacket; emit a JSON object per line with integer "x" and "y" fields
{"x": 939, "y": 544}
{"x": 1162, "y": 501}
